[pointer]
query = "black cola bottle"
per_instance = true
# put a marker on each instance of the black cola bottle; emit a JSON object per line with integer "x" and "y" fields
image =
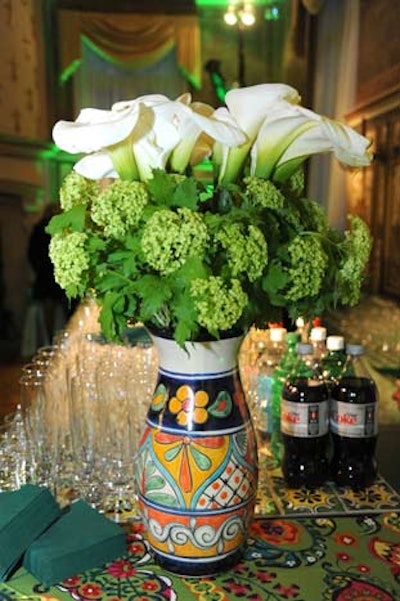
{"x": 354, "y": 423}
{"x": 305, "y": 423}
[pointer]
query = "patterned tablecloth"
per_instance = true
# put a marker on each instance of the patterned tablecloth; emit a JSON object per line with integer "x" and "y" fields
{"x": 325, "y": 545}
{"x": 342, "y": 558}
{"x": 275, "y": 498}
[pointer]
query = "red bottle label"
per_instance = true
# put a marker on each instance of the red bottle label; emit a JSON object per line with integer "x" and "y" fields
{"x": 353, "y": 420}
{"x": 304, "y": 420}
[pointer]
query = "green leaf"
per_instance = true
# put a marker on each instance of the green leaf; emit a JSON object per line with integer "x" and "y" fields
{"x": 74, "y": 219}
{"x": 193, "y": 268}
{"x": 275, "y": 279}
{"x": 161, "y": 187}
{"x": 184, "y": 332}
{"x": 154, "y": 292}
{"x": 185, "y": 195}
{"x": 95, "y": 243}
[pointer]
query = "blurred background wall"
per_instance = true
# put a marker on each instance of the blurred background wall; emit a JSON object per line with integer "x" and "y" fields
{"x": 59, "y": 56}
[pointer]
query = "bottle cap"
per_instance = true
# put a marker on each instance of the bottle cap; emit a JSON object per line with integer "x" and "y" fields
{"x": 318, "y": 333}
{"x": 355, "y": 349}
{"x": 335, "y": 343}
{"x": 304, "y": 348}
{"x": 277, "y": 334}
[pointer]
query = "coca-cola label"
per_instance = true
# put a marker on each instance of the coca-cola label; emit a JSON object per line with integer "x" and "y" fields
{"x": 353, "y": 420}
{"x": 304, "y": 420}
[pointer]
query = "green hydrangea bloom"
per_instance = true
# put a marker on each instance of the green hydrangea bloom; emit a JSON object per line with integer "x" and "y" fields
{"x": 76, "y": 189}
{"x": 119, "y": 207}
{"x": 307, "y": 265}
{"x": 357, "y": 247}
{"x": 263, "y": 193}
{"x": 314, "y": 216}
{"x": 169, "y": 238}
{"x": 70, "y": 259}
{"x": 219, "y": 306}
{"x": 295, "y": 185}
{"x": 246, "y": 252}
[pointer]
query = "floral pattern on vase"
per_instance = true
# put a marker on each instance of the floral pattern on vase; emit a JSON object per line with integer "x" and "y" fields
{"x": 197, "y": 464}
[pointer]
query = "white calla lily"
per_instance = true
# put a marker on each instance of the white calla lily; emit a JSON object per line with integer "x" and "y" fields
{"x": 96, "y": 166}
{"x": 113, "y": 132}
{"x": 290, "y": 134}
{"x": 249, "y": 107}
{"x": 199, "y": 118}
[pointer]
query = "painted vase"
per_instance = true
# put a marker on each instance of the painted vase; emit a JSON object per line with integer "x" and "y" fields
{"x": 197, "y": 464}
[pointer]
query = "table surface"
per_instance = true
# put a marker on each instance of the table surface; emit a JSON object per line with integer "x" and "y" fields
{"x": 341, "y": 558}
{"x": 322, "y": 545}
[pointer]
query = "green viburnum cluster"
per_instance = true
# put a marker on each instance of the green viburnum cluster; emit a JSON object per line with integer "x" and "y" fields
{"x": 193, "y": 260}
{"x": 169, "y": 238}
{"x": 357, "y": 247}
{"x": 118, "y": 208}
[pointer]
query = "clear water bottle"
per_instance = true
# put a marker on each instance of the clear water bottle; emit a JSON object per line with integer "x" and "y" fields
{"x": 278, "y": 380}
{"x": 267, "y": 364}
{"x": 318, "y": 336}
{"x": 332, "y": 364}
{"x": 354, "y": 423}
{"x": 305, "y": 423}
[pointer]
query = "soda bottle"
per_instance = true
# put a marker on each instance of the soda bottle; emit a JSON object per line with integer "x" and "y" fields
{"x": 267, "y": 364}
{"x": 278, "y": 379}
{"x": 354, "y": 423}
{"x": 305, "y": 423}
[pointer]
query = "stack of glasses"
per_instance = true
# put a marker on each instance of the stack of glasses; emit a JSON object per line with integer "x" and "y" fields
{"x": 82, "y": 411}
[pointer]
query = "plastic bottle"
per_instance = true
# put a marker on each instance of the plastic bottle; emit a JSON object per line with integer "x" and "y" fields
{"x": 318, "y": 340}
{"x": 250, "y": 351}
{"x": 332, "y": 364}
{"x": 354, "y": 423}
{"x": 267, "y": 364}
{"x": 305, "y": 423}
{"x": 278, "y": 380}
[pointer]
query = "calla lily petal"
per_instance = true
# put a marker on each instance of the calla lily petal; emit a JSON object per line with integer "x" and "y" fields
{"x": 281, "y": 127}
{"x": 148, "y": 100}
{"x": 96, "y": 166}
{"x": 153, "y": 151}
{"x": 290, "y": 134}
{"x": 250, "y": 105}
{"x": 348, "y": 146}
{"x": 201, "y": 118}
{"x": 94, "y": 130}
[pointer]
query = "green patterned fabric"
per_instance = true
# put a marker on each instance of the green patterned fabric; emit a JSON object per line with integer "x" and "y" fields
{"x": 342, "y": 558}
{"x": 275, "y": 498}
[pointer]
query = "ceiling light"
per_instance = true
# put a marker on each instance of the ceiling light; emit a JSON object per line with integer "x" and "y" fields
{"x": 230, "y": 16}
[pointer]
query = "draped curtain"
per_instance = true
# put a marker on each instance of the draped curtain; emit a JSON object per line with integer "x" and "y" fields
{"x": 334, "y": 95}
{"x": 129, "y": 54}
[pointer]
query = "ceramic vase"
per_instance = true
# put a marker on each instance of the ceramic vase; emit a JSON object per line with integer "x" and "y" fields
{"x": 197, "y": 463}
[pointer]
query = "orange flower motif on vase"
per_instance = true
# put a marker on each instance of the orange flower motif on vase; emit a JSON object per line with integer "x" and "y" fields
{"x": 193, "y": 460}
{"x": 189, "y": 406}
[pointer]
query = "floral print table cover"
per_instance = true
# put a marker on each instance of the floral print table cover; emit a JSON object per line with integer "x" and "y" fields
{"x": 338, "y": 558}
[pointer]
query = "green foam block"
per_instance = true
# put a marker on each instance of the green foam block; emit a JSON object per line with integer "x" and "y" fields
{"x": 80, "y": 540}
{"x": 24, "y": 515}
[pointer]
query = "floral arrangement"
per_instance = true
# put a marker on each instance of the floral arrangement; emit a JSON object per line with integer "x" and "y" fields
{"x": 154, "y": 240}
